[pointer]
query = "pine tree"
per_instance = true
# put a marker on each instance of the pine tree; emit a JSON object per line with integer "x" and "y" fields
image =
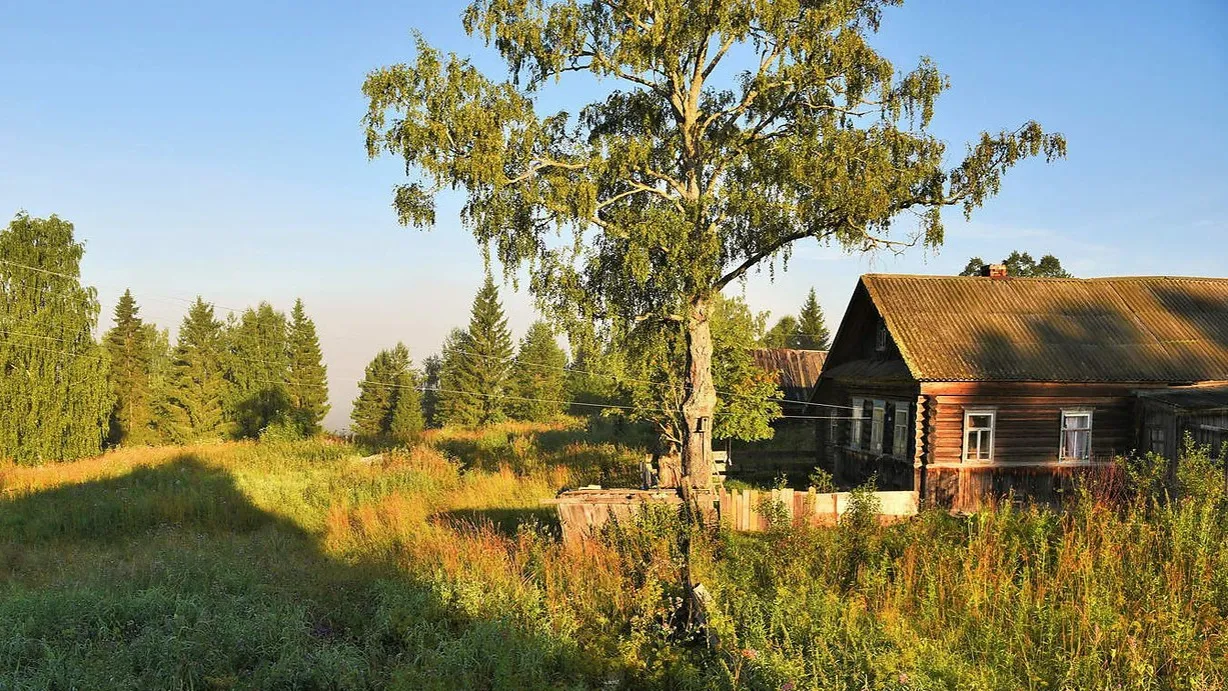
{"x": 378, "y": 393}
{"x": 308, "y": 386}
{"x": 55, "y": 399}
{"x": 258, "y": 369}
{"x": 812, "y": 331}
{"x": 480, "y": 373}
{"x": 197, "y": 387}
{"x": 539, "y": 372}
{"x": 128, "y": 345}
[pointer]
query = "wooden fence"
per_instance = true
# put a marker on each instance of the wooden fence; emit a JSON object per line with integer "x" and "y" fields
{"x": 582, "y": 512}
{"x": 745, "y": 509}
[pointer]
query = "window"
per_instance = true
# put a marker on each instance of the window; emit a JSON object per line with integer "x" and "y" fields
{"x": 1076, "y": 435}
{"x": 855, "y": 427}
{"x": 880, "y": 338}
{"x": 833, "y": 431}
{"x": 978, "y": 435}
{"x": 1156, "y": 440}
{"x": 877, "y": 420}
{"x": 899, "y": 437}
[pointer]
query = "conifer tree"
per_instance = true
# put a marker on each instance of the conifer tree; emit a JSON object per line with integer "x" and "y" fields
{"x": 406, "y": 424}
{"x": 197, "y": 387}
{"x": 385, "y": 378}
{"x": 539, "y": 373}
{"x": 55, "y": 400}
{"x": 258, "y": 369}
{"x": 308, "y": 387}
{"x": 430, "y": 383}
{"x": 481, "y": 372}
{"x": 128, "y": 345}
{"x": 812, "y": 331}
{"x": 161, "y": 363}
{"x": 454, "y": 407}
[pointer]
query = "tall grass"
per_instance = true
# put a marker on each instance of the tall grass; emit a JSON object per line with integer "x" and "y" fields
{"x": 316, "y": 565}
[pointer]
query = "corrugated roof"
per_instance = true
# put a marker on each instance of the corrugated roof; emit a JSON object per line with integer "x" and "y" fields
{"x": 799, "y": 369}
{"x": 1134, "y": 329}
{"x": 1206, "y": 397}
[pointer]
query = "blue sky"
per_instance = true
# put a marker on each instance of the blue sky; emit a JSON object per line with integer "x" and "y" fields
{"x": 215, "y": 148}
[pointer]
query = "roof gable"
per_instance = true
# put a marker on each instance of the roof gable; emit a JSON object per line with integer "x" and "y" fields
{"x": 1135, "y": 329}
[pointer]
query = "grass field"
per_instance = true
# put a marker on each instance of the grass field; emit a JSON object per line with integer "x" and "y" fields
{"x": 313, "y": 565}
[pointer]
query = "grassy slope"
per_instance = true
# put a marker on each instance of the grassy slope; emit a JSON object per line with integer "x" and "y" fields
{"x": 302, "y": 566}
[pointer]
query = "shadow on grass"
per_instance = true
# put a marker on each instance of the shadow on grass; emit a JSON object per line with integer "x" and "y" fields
{"x": 169, "y": 577}
{"x": 505, "y": 521}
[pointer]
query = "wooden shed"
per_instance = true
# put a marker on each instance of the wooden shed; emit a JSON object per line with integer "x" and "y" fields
{"x": 966, "y": 388}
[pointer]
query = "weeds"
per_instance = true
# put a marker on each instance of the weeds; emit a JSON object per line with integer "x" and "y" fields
{"x": 301, "y": 564}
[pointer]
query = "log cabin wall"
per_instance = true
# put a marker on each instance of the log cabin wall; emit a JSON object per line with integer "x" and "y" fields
{"x": 1027, "y": 432}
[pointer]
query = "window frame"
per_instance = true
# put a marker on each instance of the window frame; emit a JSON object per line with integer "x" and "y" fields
{"x": 880, "y": 337}
{"x": 878, "y": 425}
{"x": 900, "y": 450}
{"x": 1089, "y": 413}
{"x": 992, "y": 429}
{"x": 856, "y": 423}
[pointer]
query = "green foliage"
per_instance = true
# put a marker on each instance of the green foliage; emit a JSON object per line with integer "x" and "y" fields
{"x": 655, "y": 356}
{"x": 822, "y": 481}
{"x": 812, "y": 328}
{"x": 296, "y": 565}
{"x": 388, "y": 378}
{"x": 783, "y": 333}
{"x": 258, "y": 369}
{"x": 538, "y": 372}
{"x": 731, "y": 131}
{"x": 1022, "y": 265}
{"x": 431, "y": 367}
{"x": 198, "y": 387}
{"x": 308, "y": 378}
{"x": 475, "y": 377}
{"x": 127, "y": 344}
{"x": 55, "y": 399}
{"x": 407, "y": 422}
{"x": 807, "y": 331}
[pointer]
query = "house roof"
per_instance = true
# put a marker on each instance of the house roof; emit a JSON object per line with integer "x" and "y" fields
{"x": 1204, "y": 397}
{"x": 799, "y": 369}
{"x": 1133, "y": 329}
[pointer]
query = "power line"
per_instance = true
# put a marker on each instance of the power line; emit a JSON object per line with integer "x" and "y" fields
{"x": 614, "y": 378}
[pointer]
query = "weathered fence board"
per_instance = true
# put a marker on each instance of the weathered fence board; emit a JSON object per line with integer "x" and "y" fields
{"x": 582, "y": 512}
{"x": 743, "y": 509}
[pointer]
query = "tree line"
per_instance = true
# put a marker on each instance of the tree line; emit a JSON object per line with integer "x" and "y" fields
{"x": 65, "y": 395}
{"x": 480, "y": 376}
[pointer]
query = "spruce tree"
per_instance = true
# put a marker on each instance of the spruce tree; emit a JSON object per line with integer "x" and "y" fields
{"x": 197, "y": 387}
{"x": 161, "y": 362}
{"x": 453, "y": 406}
{"x": 482, "y": 370}
{"x": 812, "y": 331}
{"x": 308, "y": 387}
{"x": 258, "y": 369}
{"x": 55, "y": 399}
{"x": 386, "y": 396}
{"x": 128, "y": 345}
{"x": 406, "y": 423}
{"x": 431, "y": 367}
{"x": 539, "y": 373}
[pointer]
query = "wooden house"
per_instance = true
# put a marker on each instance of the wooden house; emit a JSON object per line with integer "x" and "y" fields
{"x": 791, "y": 451}
{"x": 966, "y": 388}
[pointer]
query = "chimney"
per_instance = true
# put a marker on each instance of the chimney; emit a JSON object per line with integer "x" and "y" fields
{"x": 994, "y": 271}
